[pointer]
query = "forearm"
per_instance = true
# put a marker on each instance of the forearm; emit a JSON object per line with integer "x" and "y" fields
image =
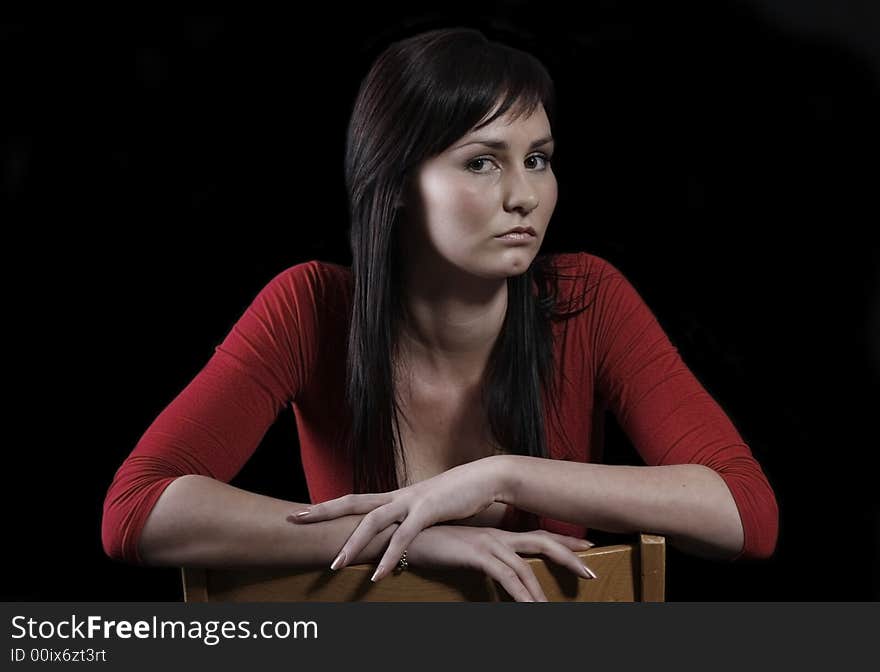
{"x": 688, "y": 503}
{"x": 202, "y": 522}
{"x": 491, "y": 516}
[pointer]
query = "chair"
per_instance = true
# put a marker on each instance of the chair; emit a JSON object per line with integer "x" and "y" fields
{"x": 633, "y": 572}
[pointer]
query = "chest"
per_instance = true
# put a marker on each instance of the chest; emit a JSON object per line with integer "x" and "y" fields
{"x": 441, "y": 428}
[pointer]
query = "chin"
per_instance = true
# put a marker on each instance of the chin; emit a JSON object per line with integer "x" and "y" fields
{"x": 519, "y": 260}
{"x": 514, "y": 264}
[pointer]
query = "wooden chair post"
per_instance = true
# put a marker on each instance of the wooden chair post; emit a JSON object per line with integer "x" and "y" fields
{"x": 195, "y": 584}
{"x": 652, "y": 563}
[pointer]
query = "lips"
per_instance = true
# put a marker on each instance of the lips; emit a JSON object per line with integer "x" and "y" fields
{"x": 519, "y": 229}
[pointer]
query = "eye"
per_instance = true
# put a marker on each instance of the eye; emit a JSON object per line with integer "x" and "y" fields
{"x": 543, "y": 161}
{"x": 539, "y": 162}
{"x": 475, "y": 165}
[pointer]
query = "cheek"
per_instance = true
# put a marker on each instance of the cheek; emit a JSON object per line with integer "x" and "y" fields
{"x": 474, "y": 204}
{"x": 549, "y": 196}
{"x": 458, "y": 203}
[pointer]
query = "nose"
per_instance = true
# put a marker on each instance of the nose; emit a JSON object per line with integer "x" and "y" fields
{"x": 520, "y": 194}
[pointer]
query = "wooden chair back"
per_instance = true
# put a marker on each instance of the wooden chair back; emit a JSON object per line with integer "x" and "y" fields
{"x": 634, "y": 572}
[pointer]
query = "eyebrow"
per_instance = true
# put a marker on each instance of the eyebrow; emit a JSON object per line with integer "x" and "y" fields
{"x": 500, "y": 144}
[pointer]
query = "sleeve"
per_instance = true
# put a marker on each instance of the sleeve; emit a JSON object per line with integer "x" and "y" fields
{"x": 216, "y": 423}
{"x": 667, "y": 414}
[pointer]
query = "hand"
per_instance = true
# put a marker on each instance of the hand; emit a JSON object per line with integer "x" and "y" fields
{"x": 458, "y": 493}
{"x": 495, "y": 553}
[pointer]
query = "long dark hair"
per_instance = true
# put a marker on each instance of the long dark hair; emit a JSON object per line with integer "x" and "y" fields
{"x": 421, "y": 95}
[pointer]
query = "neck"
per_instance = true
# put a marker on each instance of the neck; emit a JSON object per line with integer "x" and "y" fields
{"x": 450, "y": 325}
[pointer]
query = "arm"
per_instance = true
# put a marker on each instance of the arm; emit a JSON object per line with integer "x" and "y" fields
{"x": 492, "y": 516}
{"x": 169, "y": 502}
{"x": 701, "y": 486}
{"x": 202, "y": 522}
{"x": 213, "y": 427}
{"x": 688, "y": 503}
{"x": 678, "y": 428}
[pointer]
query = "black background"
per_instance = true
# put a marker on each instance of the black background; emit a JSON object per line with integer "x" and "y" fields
{"x": 159, "y": 170}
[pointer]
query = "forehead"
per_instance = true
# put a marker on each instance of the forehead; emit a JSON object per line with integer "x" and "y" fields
{"x": 514, "y": 122}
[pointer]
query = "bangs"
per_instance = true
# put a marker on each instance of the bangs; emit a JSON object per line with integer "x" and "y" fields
{"x": 468, "y": 82}
{"x": 523, "y": 86}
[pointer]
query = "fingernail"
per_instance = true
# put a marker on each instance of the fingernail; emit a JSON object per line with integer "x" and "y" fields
{"x": 376, "y": 573}
{"x": 303, "y": 514}
{"x": 587, "y": 544}
{"x": 588, "y": 573}
{"x": 338, "y": 561}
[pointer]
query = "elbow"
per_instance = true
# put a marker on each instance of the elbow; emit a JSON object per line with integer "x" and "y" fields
{"x": 753, "y": 536}
{"x": 761, "y": 532}
{"x": 121, "y": 526}
{"x": 756, "y": 504}
{"x": 111, "y": 527}
{"x": 113, "y": 538}
{"x": 768, "y": 535}
{"x": 127, "y": 505}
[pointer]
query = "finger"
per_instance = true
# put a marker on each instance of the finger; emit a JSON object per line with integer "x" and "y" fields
{"x": 346, "y": 505}
{"x": 401, "y": 539}
{"x": 372, "y": 524}
{"x": 523, "y": 571}
{"x": 560, "y": 554}
{"x": 573, "y": 543}
{"x": 507, "y": 577}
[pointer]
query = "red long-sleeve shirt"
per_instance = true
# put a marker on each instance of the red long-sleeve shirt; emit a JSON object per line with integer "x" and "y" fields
{"x": 289, "y": 348}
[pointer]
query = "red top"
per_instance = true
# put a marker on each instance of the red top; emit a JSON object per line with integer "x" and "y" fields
{"x": 289, "y": 348}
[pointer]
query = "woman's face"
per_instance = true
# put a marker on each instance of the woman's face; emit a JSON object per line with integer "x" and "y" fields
{"x": 487, "y": 183}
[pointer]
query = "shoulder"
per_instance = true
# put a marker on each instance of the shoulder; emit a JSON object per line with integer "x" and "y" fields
{"x": 320, "y": 279}
{"x": 317, "y": 286}
{"x": 312, "y": 273}
{"x": 581, "y": 265}
{"x": 578, "y": 279}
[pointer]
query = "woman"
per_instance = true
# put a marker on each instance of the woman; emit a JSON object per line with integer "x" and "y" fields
{"x": 468, "y": 412}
